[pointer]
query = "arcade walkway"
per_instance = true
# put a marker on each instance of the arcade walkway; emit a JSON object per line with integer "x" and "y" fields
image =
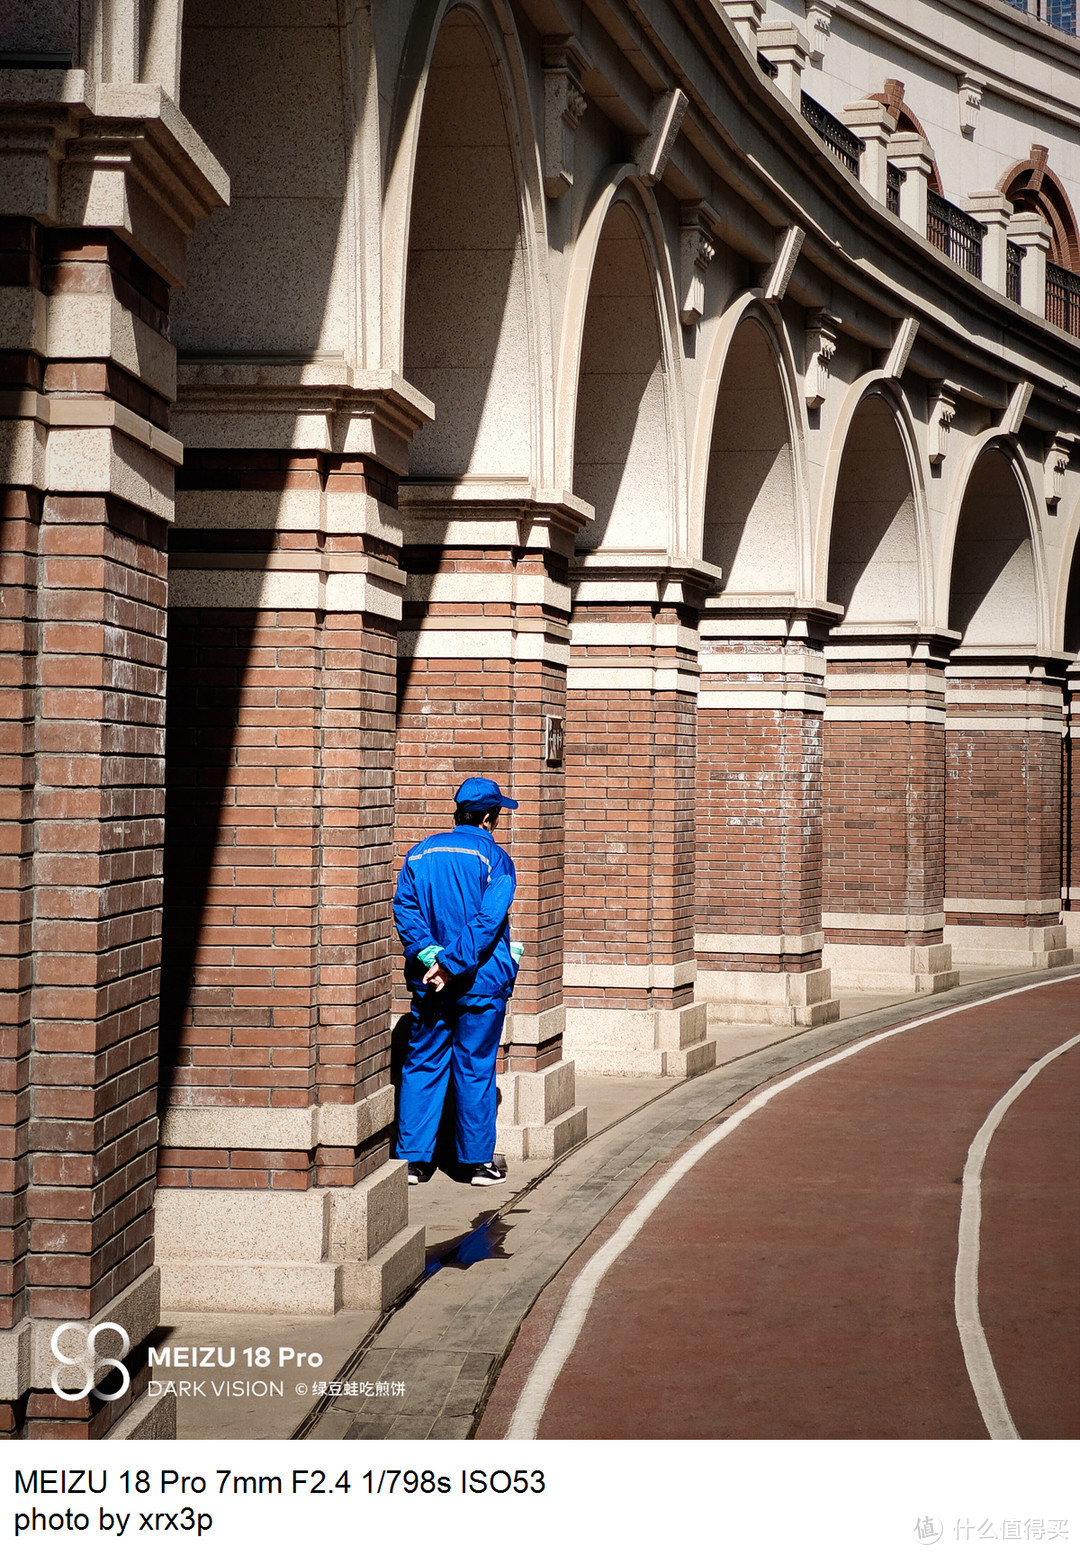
{"x": 789, "y": 1231}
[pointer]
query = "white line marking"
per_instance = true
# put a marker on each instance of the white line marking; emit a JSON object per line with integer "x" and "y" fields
{"x": 526, "y": 1418}
{"x": 977, "y": 1357}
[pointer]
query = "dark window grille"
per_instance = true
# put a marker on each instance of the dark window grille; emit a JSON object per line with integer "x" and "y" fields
{"x": 1014, "y": 256}
{"x": 1063, "y": 298}
{"x": 955, "y": 232}
{"x": 894, "y": 177}
{"x": 845, "y": 146}
{"x": 766, "y": 66}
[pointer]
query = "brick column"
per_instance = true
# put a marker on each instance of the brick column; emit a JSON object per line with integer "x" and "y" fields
{"x": 90, "y": 464}
{"x": 884, "y": 813}
{"x": 1003, "y": 810}
{"x": 285, "y": 603}
{"x": 482, "y": 691}
{"x": 629, "y": 938}
{"x": 1071, "y": 811}
{"x": 760, "y": 706}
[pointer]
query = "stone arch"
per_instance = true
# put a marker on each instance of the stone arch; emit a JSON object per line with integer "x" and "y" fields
{"x": 877, "y": 567}
{"x": 1031, "y": 186}
{"x": 624, "y": 449}
{"x": 467, "y": 281}
{"x": 747, "y": 484}
{"x": 907, "y": 122}
{"x": 996, "y": 596}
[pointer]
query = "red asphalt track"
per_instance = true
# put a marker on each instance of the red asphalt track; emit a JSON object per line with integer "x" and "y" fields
{"x": 798, "y": 1282}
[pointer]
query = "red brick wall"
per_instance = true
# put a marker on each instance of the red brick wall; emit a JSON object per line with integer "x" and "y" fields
{"x": 83, "y": 656}
{"x": 19, "y": 512}
{"x": 281, "y": 729}
{"x": 629, "y": 819}
{"x": 759, "y": 836}
{"x": 1003, "y": 809}
{"x": 466, "y": 717}
{"x": 884, "y": 798}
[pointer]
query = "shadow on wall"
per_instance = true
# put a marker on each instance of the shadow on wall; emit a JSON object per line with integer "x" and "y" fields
{"x": 622, "y": 452}
{"x": 992, "y": 598}
{"x": 750, "y": 504}
{"x": 873, "y": 552}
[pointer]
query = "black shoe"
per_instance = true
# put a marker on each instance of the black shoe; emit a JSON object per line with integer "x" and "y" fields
{"x": 420, "y": 1171}
{"x": 488, "y": 1172}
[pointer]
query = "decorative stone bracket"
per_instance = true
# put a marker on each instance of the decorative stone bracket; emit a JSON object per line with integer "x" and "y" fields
{"x": 697, "y": 250}
{"x": 564, "y": 108}
{"x": 942, "y": 397}
{"x": 970, "y": 94}
{"x": 821, "y": 338}
{"x": 818, "y": 29}
{"x": 652, "y": 151}
{"x": 1055, "y": 464}
{"x": 903, "y": 342}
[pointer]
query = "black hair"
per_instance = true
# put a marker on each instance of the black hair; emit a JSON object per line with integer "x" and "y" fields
{"x": 464, "y": 816}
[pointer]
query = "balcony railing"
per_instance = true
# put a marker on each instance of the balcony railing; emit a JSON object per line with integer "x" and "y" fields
{"x": 955, "y": 233}
{"x": 845, "y": 146}
{"x": 894, "y": 177}
{"x": 1014, "y": 257}
{"x": 1063, "y": 298}
{"x": 1056, "y": 13}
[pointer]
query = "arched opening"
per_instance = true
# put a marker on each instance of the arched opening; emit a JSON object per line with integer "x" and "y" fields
{"x": 749, "y": 529}
{"x": 467, "y": 342}
{"x": 873, "y": 549}
{"x": 992, "y": 598}
{"x": 622, "y": 447}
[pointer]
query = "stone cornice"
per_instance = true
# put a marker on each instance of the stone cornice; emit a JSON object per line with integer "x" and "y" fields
{"x": 86, "y": 154}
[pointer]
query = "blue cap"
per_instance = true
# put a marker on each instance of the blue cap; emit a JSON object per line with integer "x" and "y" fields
{"x": 482, "y": 794}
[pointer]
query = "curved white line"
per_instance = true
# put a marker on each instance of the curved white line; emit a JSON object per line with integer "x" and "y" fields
{"x": 977, "y": 1357}
{"x": 572, "y": 1314}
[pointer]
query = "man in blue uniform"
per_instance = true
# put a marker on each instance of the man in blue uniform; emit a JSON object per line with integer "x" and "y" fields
{"x": 451, "y": 909}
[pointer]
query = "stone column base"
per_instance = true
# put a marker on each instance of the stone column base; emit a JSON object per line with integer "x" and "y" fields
{"x": 1071, "y": 923}
{"x": 640, "y": 1042}
{"x": 538, "y": 1120}
{"x": 903, "y": 968}
{"x": 769, "y": 998}
{"x": 27, "y": 1362}
{"x": 993, "y": 945}
{"x": 265, "y": 1250}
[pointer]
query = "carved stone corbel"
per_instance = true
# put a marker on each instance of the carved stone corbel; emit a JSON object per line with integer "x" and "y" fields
{"x": 818, "y": 29}
{"x": 942, "y": 398}
{"x": 697, "y": 249}
{"x": 651, "y": 151}
{"x": 564, "y": 108}
{"x": 1055, "y": 464}
{"x": 821, "y": 337}
{"x": 970, "y": 93}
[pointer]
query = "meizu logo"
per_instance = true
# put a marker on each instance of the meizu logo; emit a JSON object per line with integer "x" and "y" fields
{"x": 90, "y": 1362}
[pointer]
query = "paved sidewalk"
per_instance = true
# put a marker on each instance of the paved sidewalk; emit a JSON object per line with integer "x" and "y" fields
{"x": 445, "y": 1344}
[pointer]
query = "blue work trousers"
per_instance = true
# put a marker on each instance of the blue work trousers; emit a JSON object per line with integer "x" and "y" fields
{"x": 448, "y": 1042}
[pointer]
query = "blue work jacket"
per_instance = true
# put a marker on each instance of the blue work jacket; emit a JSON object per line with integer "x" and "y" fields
{"x": 455, "y": 890}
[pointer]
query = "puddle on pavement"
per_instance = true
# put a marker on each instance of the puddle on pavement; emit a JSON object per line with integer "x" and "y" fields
{"x": 484, "y": 1241}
